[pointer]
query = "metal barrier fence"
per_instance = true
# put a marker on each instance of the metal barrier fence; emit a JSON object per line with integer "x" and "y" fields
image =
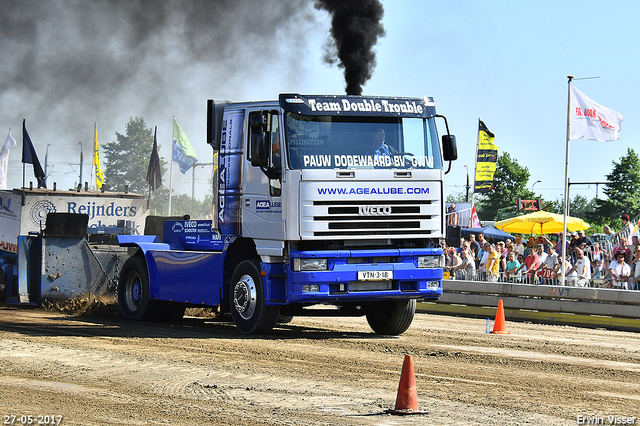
{"x": 591, "y": 307}
{"x": 544, "y": 278}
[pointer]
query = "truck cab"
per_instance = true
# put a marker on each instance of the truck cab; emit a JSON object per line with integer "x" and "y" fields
{"x": 335, "y": 201}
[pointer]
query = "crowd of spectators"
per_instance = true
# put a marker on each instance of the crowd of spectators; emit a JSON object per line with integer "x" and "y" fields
{"x": 539, "y": 260}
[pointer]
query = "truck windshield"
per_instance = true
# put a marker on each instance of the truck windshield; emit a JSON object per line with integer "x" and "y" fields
{"x": 347, "y": 142}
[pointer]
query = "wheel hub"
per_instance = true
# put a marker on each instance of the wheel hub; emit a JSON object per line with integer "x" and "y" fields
{"x": 245, "y": 297}
{"x": 133, "y": 292}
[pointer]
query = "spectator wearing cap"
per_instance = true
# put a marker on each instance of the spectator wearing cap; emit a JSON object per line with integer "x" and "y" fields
{"x": 634, "y": 281}
{"x": 620, "y": 271}
{"x": 582, "y": 267}
{"x": 484, "y": 256}
{"x": 583, "y": 238}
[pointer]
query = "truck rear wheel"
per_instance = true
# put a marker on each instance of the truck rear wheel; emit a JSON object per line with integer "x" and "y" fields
{"x": 133, "y": 292}
{"x": 391, "y": 318}
{"x": 246, "y": 296}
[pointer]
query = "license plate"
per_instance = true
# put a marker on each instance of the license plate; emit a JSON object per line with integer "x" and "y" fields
{"x": 375, "y": 275}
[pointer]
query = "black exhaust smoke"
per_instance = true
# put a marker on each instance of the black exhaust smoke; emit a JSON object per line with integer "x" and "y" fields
{"x": 355, "y": 28}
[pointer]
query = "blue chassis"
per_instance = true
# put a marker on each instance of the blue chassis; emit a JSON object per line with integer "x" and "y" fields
{"x": 196, "y": 276}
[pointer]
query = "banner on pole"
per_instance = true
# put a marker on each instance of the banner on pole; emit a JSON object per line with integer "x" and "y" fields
{"x": 487, "y": 157}
{"x": 154, "y": 171}
{"x": 29, "y": 156}
{"x": 183, "y": 153}
{"x": 96, "y": 159}
{"x": 590, "y": 120}
{"x": 9, "y": 143}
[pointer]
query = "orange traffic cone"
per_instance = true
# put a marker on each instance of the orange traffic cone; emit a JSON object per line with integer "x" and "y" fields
{"x": 499, "y": 326}
{"x": 407, "y": 399}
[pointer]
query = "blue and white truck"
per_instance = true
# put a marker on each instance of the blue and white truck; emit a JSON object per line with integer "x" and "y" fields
{"x": 326, "y": 205}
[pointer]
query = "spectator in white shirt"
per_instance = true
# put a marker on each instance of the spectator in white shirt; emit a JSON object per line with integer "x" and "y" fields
{"x": 620, "y": 271}
{"x": 550, "y": 264}
{"x": 582, "y": 268}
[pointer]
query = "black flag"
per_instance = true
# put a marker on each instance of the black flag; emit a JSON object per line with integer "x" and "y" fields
{"x": 154, "y": 172}
{"x": 29, "y": 156}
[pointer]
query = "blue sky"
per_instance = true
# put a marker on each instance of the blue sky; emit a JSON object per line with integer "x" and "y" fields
{"x": 505, "y": 62}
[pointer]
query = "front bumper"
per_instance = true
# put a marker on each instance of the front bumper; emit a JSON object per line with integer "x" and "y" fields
{"x": 340, "y": 283}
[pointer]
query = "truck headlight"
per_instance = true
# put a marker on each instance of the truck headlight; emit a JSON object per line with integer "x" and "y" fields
{"x": 430, "y": 262}
{"x": 310, "y": 264}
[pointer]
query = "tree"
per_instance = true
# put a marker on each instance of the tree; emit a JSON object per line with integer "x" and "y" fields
{"x": 127, "y": 159}
{"x": 183, "y": 204}
{"x": 456, "y": 197}
{"x": 622, "y": 191}
{"x": 509, "y": 183}
{"x": 579, "y": 207}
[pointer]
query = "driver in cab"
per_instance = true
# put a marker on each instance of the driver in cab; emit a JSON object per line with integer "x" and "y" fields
{"x": 378, "y": 145}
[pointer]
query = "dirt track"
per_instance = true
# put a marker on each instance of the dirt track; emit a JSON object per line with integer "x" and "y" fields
{"x": 312, "y": 371}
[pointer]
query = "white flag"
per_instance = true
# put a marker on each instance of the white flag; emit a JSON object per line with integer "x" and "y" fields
{"x": 590, "y": 120}
{"x": 4, "y": 159}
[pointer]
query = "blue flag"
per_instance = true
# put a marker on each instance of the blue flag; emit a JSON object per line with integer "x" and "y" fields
{"x": 29, "y": 156}
{"x": 183, "y": 153}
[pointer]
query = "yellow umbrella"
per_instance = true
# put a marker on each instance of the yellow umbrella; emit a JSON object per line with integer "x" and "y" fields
{"x": 540, "y": 222}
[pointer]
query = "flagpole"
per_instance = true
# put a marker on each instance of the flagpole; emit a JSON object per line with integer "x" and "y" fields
{"x": 566, "y": 184}
{"x": 173, "y": 133}
{"x": 23, "y": 169}
{"x": 155, "y": 135}
{"x": 94, "y": 177}
{"x": 475, "y": 169}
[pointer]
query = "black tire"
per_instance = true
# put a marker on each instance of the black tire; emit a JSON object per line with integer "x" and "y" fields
{"x": 133, "y": 292}
{"x": 285, "y": 319}
{"x": 246, "y": 299}
{"x": 391, "y": 318}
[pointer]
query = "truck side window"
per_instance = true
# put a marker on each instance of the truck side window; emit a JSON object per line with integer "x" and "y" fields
{"x": 273, "y": 156}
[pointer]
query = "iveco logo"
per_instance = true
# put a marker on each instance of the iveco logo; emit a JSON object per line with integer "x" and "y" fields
{"x": 374, "y": 210}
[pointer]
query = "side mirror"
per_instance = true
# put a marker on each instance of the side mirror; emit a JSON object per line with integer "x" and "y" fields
{"x": 449, "y": 148}
{"x": 215, "y": 112}
{"x": 258, "y": 140}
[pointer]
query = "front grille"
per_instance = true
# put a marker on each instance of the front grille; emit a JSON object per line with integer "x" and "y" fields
{"x": 367, "y": 219}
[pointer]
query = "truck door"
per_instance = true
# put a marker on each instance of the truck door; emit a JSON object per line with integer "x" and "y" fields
{"x": 262, "y": 199}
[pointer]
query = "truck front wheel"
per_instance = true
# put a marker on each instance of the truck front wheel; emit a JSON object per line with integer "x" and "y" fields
{"x": 246, "y": 296}
{"x": 391, "y": 318}
{"x": 133, "y": 292}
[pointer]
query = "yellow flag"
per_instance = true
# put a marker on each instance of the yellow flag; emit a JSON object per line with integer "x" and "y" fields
{"x": 487, "y": 157}
{"x": 96, "y": 159}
